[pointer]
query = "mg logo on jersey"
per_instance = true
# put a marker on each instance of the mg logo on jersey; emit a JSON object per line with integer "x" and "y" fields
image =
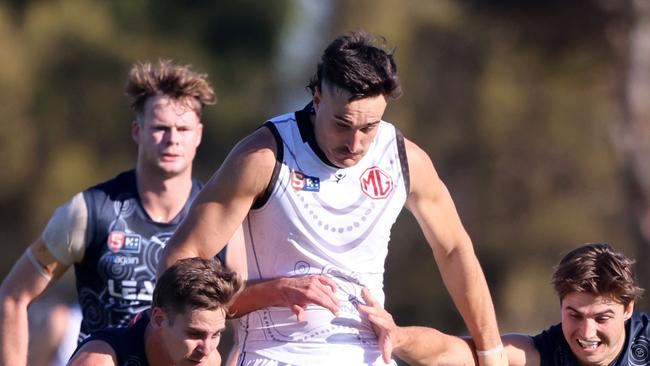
{"x": 299, "y": 181}
{"x": 116, "y": 240}
{"x": 376, "y": 183}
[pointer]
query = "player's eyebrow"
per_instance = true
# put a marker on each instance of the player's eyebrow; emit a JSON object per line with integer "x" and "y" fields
{"x": 601, "y": 313}
{"x": 349, "y": 122}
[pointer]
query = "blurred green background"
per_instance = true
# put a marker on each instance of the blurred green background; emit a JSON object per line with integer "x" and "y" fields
{"x": 534, "y": 113}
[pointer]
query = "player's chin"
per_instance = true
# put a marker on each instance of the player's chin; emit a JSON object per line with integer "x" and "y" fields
{"x": 199, "y": 359}
{"x": 194, "y": 362}
{"x": 589, "y": 356}
{"x": 347, "y": 162}
{"x": 171, "y": 170}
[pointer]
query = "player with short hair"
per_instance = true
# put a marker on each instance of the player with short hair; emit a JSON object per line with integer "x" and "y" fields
{"x": 113, "y": 233}
{"x": 597, "y": 291}
{"x": 318, "y": 191}
{"x": 183, "y": 327}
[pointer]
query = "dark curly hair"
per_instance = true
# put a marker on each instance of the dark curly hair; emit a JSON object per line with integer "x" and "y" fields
{"x": 360, "y": 64}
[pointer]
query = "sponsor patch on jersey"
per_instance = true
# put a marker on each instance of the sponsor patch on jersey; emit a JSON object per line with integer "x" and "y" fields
{"x": 121, "y": 260}
{"x": 119, "y": 240}
{"x": 116, "y": 240}
{"x": 302, "y": 182}
{"x": 132, "y": 244}
{"x": 376, "y": 183}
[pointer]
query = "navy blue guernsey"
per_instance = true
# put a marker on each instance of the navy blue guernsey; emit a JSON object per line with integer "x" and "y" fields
{"x": 554, "y": 350}
{"x": 116, "y": 278}
{"x": 127, "y": 342}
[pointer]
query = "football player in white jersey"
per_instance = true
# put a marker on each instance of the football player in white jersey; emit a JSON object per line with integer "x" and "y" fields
{"x": 317, "y": 192}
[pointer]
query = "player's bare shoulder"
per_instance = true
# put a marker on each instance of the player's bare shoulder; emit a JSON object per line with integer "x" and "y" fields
{"x": 248, "y": 168}
{"x": 257, "y": 150}
{"x": 421, "y": 169}
{"x": 95, "y": 353}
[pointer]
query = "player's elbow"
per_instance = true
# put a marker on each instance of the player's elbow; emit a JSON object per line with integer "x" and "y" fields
{"x": 12, "y": 306}
{"x": 460, "y": 253}
{"x": 12, "y": 303}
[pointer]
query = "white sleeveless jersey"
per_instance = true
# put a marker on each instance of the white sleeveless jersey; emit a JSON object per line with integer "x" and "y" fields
{"x": 318, "y": 219}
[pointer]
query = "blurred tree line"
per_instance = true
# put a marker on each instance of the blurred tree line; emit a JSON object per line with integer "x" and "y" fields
{"x": 530, "y": 111}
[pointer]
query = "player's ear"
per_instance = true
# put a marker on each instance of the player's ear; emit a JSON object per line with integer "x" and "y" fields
{"x": 199, "y": 135}
{"x": 316, "y": 99}
{"x": 158, "y": 317}
{"x": 629, "y": 309}
{"x": 135, "y": 131}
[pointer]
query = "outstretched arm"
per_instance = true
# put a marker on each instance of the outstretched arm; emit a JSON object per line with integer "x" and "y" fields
{"x": 415, "y": 345}
{"x": 432, "y": 206}
{"x": 428, "y": 346}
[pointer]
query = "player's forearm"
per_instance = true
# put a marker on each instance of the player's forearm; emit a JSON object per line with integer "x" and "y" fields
{"x": 464, "y": 278}
{"x": 21, "y": 286}
{"x": 416, "y": 345}
{"x": 255, "y": 296}
{"x": 428, "y": 346}
{"x": 13, "y": 332}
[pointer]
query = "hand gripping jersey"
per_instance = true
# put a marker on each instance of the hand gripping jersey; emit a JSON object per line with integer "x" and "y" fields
{"x": 127, "y": 342}
{"x": 319, "y": 219}
{"x": 554, "y": 350}
{"x": 116, "y": 277}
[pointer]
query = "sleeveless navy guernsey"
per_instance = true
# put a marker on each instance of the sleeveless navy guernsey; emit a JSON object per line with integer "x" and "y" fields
{"x": 127, "y": 342}
{"x": 554, "y": 350}
{"x": 116, "y": 278}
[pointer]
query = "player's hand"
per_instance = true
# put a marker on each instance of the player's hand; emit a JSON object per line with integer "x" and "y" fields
{"x": 388, "y": 333}
{"x": 298, "y": 292}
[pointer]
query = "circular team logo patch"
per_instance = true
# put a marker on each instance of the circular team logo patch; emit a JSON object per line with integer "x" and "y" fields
{"x": 116, "y": 240}
{"x": 640, "y": 351}
{"x": 376, "y": 183}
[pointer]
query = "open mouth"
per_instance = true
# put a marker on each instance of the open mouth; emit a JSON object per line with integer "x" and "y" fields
{"x": 588, "y": 345}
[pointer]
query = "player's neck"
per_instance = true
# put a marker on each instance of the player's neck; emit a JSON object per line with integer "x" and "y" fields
{"x": 163, "y": 197}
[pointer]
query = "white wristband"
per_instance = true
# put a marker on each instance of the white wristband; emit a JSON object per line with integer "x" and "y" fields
{"x": 490, "y": 351}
